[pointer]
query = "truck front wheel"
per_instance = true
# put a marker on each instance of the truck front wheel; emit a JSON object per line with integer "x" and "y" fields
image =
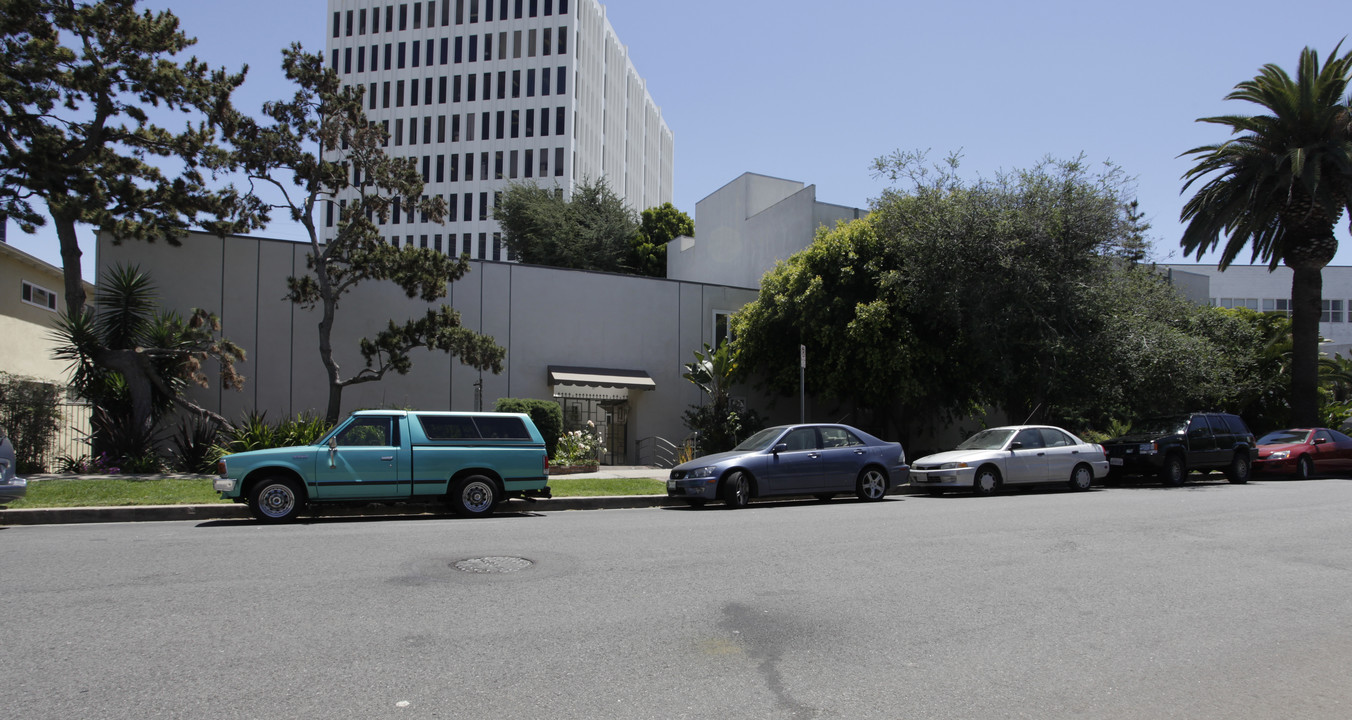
{"x": 276, "y": 499}
{"x": 474, "y": 496}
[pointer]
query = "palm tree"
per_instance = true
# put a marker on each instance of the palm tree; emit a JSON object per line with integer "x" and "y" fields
{"x": 134, "y": 362}
{"x": 1280, "y": 188}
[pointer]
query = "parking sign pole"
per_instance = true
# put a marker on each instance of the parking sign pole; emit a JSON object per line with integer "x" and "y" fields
{"x": 802, "y": 392}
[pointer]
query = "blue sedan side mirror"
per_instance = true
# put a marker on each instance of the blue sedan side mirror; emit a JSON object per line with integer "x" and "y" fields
{"x": 781, "y": 447}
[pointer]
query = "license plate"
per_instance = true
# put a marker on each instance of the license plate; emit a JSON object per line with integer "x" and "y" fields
{"x": 1114, "y": 461}
{"x": 671, "y": 484}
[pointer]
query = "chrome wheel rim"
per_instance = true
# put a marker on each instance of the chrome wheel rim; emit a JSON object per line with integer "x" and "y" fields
{"x": 276, "y": 501}
{"x": 477, "y": 497}
{"x": 874, "y": 485}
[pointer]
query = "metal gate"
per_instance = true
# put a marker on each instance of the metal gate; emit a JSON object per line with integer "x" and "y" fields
{"x": 609, "y": 415}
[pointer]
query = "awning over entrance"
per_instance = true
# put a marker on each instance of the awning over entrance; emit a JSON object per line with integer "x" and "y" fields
{"x": 600, "y": 377}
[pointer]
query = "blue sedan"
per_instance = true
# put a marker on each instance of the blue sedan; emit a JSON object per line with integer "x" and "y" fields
{"x": 12, "y": 487}
{"x": 820, "y": 460}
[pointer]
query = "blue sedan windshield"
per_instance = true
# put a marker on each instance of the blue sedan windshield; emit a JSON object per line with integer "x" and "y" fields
{"x": 759, "y": 441}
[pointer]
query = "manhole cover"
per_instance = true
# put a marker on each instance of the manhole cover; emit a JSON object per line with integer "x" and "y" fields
{"x": 493, "y": 565}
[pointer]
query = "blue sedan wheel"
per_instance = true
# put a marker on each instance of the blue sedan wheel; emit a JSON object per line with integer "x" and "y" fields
{"x": 736, "y": 491}
{"x": 872, "y": 485}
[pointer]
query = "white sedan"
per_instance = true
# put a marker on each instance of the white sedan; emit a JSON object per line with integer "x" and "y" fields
{"x": 1013, "y": 455}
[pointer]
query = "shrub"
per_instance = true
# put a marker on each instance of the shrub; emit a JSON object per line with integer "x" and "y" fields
{"x": 28, "y": 414}
{"x": 256, "y": 433}
{"x": 546, "y": 414}
{"x": 194, "y": 446}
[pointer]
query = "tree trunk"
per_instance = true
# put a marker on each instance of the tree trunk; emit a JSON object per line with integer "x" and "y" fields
{"x": 131, "y": 365}
{"x": 1307, "y": 290}
{"x": 70, "y": 262}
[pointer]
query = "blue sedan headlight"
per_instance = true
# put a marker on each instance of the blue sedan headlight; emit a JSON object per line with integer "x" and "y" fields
{"x": 703, "y": 472}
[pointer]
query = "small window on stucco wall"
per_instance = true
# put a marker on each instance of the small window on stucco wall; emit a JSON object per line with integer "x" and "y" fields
{"x": 39, "y": 296}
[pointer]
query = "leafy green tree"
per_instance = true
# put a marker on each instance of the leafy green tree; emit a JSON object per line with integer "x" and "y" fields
{"x": 546, "y": 414}
{"x": 133, "y": 361}
{"x": 1016, "y": 293}
{"x": 592, "y": 230}
{"x": 1279, "y": 188}
{"x": 720, "y": 425}
{"x": 78, "y": 81}
{"x": 657, "y": 227}
{"x": 351, "y": 164}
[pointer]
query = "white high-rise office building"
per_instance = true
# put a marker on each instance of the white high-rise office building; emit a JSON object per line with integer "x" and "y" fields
{"x": 484, "y": 93}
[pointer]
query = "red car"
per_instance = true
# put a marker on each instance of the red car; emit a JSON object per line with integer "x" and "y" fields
{"x": 1304, "y": 451}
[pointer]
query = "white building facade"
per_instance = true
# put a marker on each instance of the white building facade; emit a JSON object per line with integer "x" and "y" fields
{"x": 1257, "y": 288}
{"x": 745, "y": 227}
{"x": 485, "y": 93}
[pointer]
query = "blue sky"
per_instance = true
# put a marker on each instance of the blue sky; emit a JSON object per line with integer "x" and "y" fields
{"x": 814, "y": 91}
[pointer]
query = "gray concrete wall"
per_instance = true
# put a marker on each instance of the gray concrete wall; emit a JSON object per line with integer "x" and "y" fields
{"x": 543, "y": 316}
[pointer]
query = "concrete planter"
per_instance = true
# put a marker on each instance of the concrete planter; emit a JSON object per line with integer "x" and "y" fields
{"x": 572, "y": 469}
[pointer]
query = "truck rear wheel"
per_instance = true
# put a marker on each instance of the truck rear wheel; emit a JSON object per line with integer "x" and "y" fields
{"x": 474, "y": 496}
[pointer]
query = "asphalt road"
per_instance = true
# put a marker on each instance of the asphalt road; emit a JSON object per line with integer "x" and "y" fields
{"x": 1209, "y": 601}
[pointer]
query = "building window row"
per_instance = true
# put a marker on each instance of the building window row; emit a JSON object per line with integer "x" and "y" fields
{"x": 446, "y": 51}
{"x": 502, "y": 164}
{"x": 514, "y": 85}
{"x": 1331, "y": 311}
{"x": 406, "y": 15}
{"x": 499, "y": 125}
{"x": 434, "y": 242}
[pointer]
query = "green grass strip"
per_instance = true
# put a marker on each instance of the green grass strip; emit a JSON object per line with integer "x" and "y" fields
{"x": 111, "y": 492}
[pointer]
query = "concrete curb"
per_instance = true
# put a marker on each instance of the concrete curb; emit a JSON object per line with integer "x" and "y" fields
{"x": 234, "y": 511}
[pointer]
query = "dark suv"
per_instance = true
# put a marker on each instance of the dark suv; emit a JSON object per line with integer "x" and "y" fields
{"x": 1173, "y": 446}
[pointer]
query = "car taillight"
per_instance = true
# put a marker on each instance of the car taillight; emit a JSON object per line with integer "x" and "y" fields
{"x": 546, "y": 465}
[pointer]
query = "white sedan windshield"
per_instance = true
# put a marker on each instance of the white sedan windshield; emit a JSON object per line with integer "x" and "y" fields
{"x": 987, "y": 440}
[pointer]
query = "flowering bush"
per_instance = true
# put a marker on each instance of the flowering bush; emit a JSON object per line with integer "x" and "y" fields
{"x": 579, "y": 447}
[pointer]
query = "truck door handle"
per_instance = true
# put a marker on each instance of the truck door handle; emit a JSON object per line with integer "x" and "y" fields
{"x": 387, "y": 458}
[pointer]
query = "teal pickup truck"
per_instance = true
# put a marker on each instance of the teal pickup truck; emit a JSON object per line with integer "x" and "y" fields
{"x": 471, "y": 460}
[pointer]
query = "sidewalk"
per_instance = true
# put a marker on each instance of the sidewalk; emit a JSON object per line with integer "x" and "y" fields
{"x": 238, "y": 511}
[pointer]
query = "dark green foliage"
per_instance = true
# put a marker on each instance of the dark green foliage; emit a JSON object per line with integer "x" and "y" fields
{"x": 1279, "y": 186}
{"x": 546, "y": 414}
{"x": 29, "y": 416}
{"x": 719, "y": 424}
{"x": 327, "y": 116}
{"x": 122, "y": 445}
{"x": 193, "y": 449}
{"x": 1015, "y": 293}
{"x": 134, "y": 362}
{"x": 75, "y": 133}
{"x": 594, "y": 230}
{"x": 254, "y": 432}
{"x": 657, "y": 227}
